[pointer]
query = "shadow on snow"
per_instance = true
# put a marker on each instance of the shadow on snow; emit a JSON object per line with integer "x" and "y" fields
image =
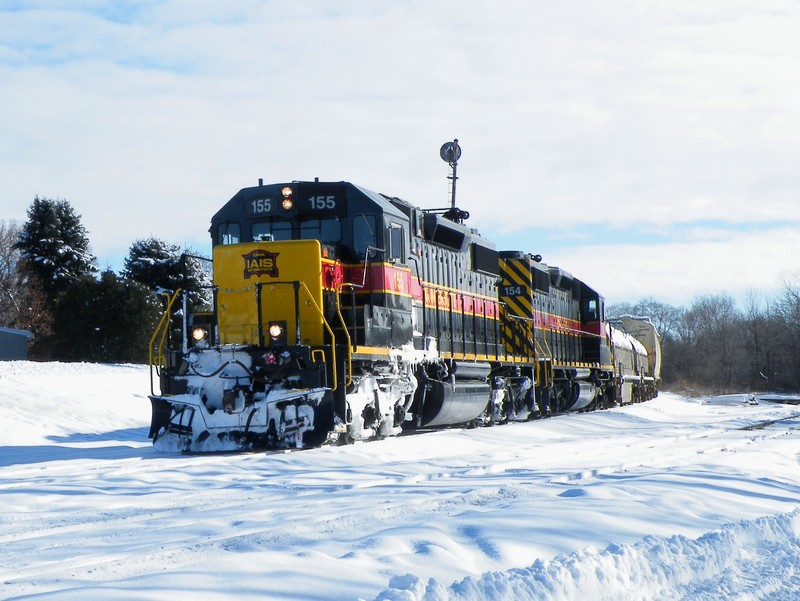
{"x": 115, "y": 449}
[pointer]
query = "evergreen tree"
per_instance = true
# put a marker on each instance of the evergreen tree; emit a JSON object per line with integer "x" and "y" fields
{"x": 55, "y": 245}
{"x": 105, "y": 320}
{"x": 162, "y": 266}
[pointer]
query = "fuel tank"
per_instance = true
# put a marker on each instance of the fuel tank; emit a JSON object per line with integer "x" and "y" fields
{"x": 450, "y": 403}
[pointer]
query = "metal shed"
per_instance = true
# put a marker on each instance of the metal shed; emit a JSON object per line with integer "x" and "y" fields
{"x": 14, "y": 344}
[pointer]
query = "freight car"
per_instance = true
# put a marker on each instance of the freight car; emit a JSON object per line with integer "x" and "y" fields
{"x": 341, "y": 314}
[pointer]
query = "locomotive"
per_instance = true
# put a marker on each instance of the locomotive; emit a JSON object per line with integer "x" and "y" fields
{"x": 341, "y": 314}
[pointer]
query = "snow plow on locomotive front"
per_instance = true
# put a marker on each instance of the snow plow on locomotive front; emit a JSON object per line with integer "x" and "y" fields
{"x": 261, "y": 374}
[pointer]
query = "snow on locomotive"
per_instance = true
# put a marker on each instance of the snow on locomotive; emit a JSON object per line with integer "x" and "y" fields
{"x": 341, "y": 314}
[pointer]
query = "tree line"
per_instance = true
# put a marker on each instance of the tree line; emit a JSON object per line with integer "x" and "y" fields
{"x": 716, "y": 346}
{"x": 51, "y": 286}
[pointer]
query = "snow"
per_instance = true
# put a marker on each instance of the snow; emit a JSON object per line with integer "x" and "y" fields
{"x": 671, "y": 499}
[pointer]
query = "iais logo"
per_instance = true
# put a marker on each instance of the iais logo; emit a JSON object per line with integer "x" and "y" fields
{"x": 260, "y": 262}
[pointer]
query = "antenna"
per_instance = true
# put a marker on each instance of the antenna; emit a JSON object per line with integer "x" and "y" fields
{"x": 450, "y": 153}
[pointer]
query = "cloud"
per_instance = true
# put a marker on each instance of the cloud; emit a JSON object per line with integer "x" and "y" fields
{"x": 578, "y": 119}
{"x": 715, "y": 262}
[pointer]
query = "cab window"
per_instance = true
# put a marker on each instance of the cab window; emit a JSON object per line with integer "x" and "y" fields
{"x": 395, "y": 238}
{"x": 590, "y": 310}
{"x": 277, "y": 229}
{"x": 328, "y": 229}
{"x": 228, "y": 233}
{"x": 363, "y": 233}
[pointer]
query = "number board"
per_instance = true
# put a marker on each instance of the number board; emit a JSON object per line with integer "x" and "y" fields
{"x": 513, "y": 291}
{"x": 307, "y": 200}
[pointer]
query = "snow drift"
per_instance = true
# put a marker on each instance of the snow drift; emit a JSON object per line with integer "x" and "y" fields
{"x": 670, "y": 499}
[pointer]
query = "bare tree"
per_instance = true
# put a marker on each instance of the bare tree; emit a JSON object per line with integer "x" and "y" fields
{"x": 763, "y": 341}
{"x": 666, "y": 318}
{"x": 712, "y": 330}
{"x": 9, "y": 259}
{"x": 23, "y": 303}
{"x": 788, "y": 308}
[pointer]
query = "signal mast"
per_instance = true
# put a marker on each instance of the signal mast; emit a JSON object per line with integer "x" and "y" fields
{"x": 450, "y": 153}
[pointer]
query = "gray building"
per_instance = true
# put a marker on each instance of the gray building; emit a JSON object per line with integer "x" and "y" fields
{"x": 14, "y": 344}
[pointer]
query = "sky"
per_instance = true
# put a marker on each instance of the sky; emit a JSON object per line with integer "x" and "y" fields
{"x": 649, "y": 148}
{"x": 673, "y": 499}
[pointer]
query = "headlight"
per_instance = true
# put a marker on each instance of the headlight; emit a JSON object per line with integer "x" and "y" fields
{"x": 199, "y": 334}
{"x": 277, "y": 332}
{"x": 287, "y": 203}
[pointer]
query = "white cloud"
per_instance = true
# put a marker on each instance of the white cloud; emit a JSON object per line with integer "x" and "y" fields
{"x": 149, "y": 116}
{"x": 733, "y": 263}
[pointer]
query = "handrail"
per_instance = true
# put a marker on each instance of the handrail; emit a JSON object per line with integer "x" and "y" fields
{"x": 297, "y": 284}
{"x": 349, "y": 375}
{"x": 549, "y": 357}
{"x": 524, "y": 334}
{"x": 158, "y": 360}
{"x": 541, "y": 349}
{"x": 330, "y": 331}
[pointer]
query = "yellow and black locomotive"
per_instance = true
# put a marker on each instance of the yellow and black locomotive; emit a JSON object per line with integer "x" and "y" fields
{"x": 341, "y": 314}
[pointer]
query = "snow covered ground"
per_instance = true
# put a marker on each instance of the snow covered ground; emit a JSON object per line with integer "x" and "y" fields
{"x": 669, "y": 499}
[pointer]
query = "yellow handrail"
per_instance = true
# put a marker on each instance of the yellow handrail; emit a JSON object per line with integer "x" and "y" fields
{"x": 158, "y": 360}
{"x": 349, "y": 376}
{"x": 330, "y": 331}
{"x": 324, "y": 322}
{"x": 548, "y": 354}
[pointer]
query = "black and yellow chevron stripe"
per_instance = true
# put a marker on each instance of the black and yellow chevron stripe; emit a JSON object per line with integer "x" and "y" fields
{"x": 517, "y": 295}
{"x": 516, "y": 289}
